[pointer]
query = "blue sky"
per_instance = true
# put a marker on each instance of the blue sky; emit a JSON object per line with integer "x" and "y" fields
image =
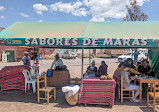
{"x": 12, "y": 11}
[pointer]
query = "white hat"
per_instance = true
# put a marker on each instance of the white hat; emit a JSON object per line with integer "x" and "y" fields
{"x": 26, "y": 52}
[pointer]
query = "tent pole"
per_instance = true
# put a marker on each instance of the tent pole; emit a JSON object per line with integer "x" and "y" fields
{"x": 82, "y": 63}
{"x": 34, "y": 56}
{"x": 132, "y": 50}
{"x": 89, "y": 57}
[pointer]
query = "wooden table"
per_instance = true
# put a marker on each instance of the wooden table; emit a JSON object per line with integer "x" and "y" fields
{"x": 142, "y": 80}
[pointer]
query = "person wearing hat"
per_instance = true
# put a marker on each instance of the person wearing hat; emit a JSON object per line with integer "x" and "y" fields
{"x": 26, "y": 59}
{"x": 57, "y": 63}
{"x": 127, "y": 84}
{"x": 91, "y": 70}
{"x": 93, "y": 67}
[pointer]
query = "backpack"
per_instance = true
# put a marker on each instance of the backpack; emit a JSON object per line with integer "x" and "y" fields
{"x": 49, "y": 73}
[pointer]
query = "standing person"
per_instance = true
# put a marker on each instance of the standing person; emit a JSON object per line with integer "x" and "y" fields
{"x": 57, "y": 63}
{"x": 127, "y": 84}
{"x": 136, "y": 53}
{"x": 26, "y": 59}
{"x": 103, "y": 69}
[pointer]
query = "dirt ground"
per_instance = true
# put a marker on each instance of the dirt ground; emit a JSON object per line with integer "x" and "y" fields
{"x": 19, "y": 101}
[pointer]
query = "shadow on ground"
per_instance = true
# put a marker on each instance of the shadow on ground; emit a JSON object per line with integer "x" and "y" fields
{"x": 30, "y": 97}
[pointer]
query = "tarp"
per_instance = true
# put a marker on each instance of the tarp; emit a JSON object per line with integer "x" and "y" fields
{"x": 92, "y": 35}
{"x": 154, "y": 60}
{"x": 82, "y": 34}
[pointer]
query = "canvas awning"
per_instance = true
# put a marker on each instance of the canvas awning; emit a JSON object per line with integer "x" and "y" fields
{"x": 82, "y": 34}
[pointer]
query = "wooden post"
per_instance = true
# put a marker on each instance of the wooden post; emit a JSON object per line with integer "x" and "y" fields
{"x": 82, "y": 63}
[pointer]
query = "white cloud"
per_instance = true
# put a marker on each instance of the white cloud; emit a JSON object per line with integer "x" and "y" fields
{"x": 106, "y": 9}
{"x": 98, "y": 9}
{"x": 40, "y": 20}
{"x": 2, "y": 17}
{"x": 102, "y": 9}
{"x": 80, "y": 12}
{"x": 24, "y": 15}
{"x": 73, "y": 8}
{"x": 97, "y": 19}
{"x": 39, "y": 8}
{"x": 2, "y": 8}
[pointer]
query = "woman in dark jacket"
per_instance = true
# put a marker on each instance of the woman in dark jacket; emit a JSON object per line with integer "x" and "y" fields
{"x": 103, "y": 69}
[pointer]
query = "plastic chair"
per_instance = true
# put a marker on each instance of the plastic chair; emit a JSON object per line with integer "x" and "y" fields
{"x": 34, "y": 71}
{"x": 47, "y": 90}
{"x": 122, "y": 90}
{"x": 29, "y": 80}
{"x": 154, "y": 95}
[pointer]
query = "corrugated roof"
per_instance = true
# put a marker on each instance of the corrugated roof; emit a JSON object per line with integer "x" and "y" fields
{"x": 149, "y": 30}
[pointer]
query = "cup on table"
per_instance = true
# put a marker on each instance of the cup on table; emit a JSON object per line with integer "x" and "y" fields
{"x": 150, "y": 77}
{"x": 136, "y": 76}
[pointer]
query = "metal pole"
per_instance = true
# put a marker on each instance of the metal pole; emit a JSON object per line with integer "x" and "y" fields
{"x": 132, "y": 56}
{"x": 82, "y": 63}
{"x": 34, "y": 56}
{"x": 89, "y": 57}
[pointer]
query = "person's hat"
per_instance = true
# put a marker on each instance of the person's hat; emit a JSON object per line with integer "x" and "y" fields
{"x": 26, "y": 52}
{"x": 128, "y": 59}
{"x": 93, "y": 62}
{"x": 57, "y": 55}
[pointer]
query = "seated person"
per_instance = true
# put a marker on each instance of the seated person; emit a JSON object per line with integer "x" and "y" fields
{"x": 127, "y": 84}
{"x": 129, "y": 61}
{"x": 89, "y": 73}
{"x": 58, "y": 63}
{"x": 93, "y": 67}
{"x": 145, "y": 68}
{"x": 103, "y": 69}
{"x": 116, "y": 75}
{"x": 132, "y": 69}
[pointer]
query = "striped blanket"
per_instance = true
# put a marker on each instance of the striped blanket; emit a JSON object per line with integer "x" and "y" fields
{"x": 12, "y": 77}
{"x": 97, "y": 91}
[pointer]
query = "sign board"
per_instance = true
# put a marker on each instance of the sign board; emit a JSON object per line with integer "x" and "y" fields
{"x": 82, "y": 42}
{"x": 4, "y": 57}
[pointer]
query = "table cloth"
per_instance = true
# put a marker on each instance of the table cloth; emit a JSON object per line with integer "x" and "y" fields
{"x": 94, "y": 90}
{"x": 12, "y": 77}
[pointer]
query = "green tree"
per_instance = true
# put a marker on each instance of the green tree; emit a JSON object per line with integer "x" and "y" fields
{"x": 134, "y": 12}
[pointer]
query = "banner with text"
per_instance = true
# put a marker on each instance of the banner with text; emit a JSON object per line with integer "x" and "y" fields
{"x": 80, "y": 42}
